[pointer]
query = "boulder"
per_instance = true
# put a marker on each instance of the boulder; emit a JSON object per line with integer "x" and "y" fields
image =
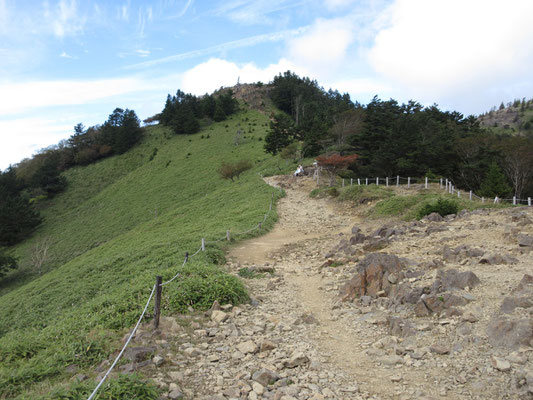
{"x": 434, "y": 217}
{"x": 510, "y": 333}
{"x": 522, "y": 296}
{"x": 453, "y": 279}
{"x": 496, "y": 259}
{"x": 400, "y": 327}
{"x": 372, "y": 277}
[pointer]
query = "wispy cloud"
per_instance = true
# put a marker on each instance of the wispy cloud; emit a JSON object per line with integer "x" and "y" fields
{"x": 64, "y": 18}
{"x": 65, "y": 55}
{"x": 235, "y": 44}
{"x": 252, "y": 11}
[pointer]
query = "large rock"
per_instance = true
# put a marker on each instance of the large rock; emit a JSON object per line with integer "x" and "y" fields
{"x": 372, "y": 277}
{"x": 453, "y": 279}
{"x": 522, "y": 296}
{"x": 496, "y": 259}
{"x": 510, "y": 333}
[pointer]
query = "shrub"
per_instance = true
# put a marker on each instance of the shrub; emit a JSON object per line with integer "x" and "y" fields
{"x": 233, "y": 170}
{"x": 200, "y": 285}
{"x": 333, "y": 192}
{"x": 442, "y": 206}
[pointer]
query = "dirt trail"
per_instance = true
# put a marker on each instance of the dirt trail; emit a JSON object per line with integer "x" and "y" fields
{"x": 302, "y": 223}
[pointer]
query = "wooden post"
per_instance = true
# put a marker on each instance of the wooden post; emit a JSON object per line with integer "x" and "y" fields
{"x": 157, "y": 306}
{"x": 377, "y": 181}
{"x": 446, "y": 188}
{"x": 366, "y": 181}
{"x": 426, "y": 182}
{"x": 397, "y": 180}
{"x": 387, "y": 182}
{"x": 440, "y": 183}
{"x": 514, "y": 200}
{"x": 458, "y": 193}
{"x": 408, "y": 182}
{"x": 358, "y": 182}
{"x": 529, "y": 201}
{"x": 342, "y": 182}
{"x": 453, "y": 189}
{"x": 482, "y": 199}
{"x": 351, "y": 181}
{"x": 495, "y": 199}
{"x": 227, "y": 236}
{"x": 203, "y": 244}
{"x": 470, "y": 195}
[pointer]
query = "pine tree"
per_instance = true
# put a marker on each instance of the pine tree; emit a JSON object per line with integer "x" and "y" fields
{"x": 495, "y": 183}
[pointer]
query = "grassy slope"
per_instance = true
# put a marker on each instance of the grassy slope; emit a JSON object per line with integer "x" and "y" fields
{"x": 108, "y": 245}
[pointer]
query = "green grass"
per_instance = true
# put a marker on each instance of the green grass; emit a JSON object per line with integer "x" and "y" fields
{"x": 387, "y": 203}
{"x": 412, "y": 207}
{"x": 364, "y": 194}
{"x": 121, "y": 222}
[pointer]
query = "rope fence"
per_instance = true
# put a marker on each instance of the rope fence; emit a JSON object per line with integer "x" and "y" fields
{"x": 159, "y": 285}
{"x": 445, "y": 184}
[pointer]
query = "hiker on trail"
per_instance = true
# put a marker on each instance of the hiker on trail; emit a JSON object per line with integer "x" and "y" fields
{"x": 299, "y": 171}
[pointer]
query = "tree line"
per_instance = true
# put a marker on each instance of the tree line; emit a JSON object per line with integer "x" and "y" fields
{"x": 39, "y": 177}
{"x": 393, "y": 139}
{"x": 183, "y": 112}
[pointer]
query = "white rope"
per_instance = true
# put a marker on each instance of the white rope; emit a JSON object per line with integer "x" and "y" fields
{"x": 123, "y": 348}
{"x": 197, "y": 251}
{"x": 177, "y": 273}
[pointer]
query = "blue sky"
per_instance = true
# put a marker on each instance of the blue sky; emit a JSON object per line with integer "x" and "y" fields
{"x": 69, "y": 61}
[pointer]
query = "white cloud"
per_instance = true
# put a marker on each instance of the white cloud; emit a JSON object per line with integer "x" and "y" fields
{"x": 454, "y": 46}
{"x": 23, "y": 137}
{"x": 18, "y": 97}
{"x": 323, "y": 47}
{"x": 65, "y": 55}
{"x": 211, "y": 75}
{"x": 337, "y": 4}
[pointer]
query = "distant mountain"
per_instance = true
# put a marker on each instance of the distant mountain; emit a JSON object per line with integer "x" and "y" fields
{"x": 513, "y": 118}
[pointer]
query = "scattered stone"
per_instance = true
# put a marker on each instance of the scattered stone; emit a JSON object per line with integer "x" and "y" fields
{"x": 158, "y": 361}
{"x": 525, "y": 240}
{"x": 138, "y": 354}
{"x": 500, "y": 364}
{"x": 439, "y": 349}
{"x": 247, "y": 347}
{"x": 265, "y": 377}
{"x": 218, "y": 316}
{"x": 297, "y": 359}
{"x": 176, "y": 394}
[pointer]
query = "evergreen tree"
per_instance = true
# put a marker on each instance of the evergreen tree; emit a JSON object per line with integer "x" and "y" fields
{"x": 282, "y": 133}
{"x": 219, "y": 114}
{"x": 495, "y": 183}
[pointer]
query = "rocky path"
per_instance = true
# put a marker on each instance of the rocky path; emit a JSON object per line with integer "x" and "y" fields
{"x": 438, "y": 309}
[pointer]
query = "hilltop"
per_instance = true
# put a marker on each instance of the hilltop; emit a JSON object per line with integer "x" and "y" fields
{"x": 513, "y": 118}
